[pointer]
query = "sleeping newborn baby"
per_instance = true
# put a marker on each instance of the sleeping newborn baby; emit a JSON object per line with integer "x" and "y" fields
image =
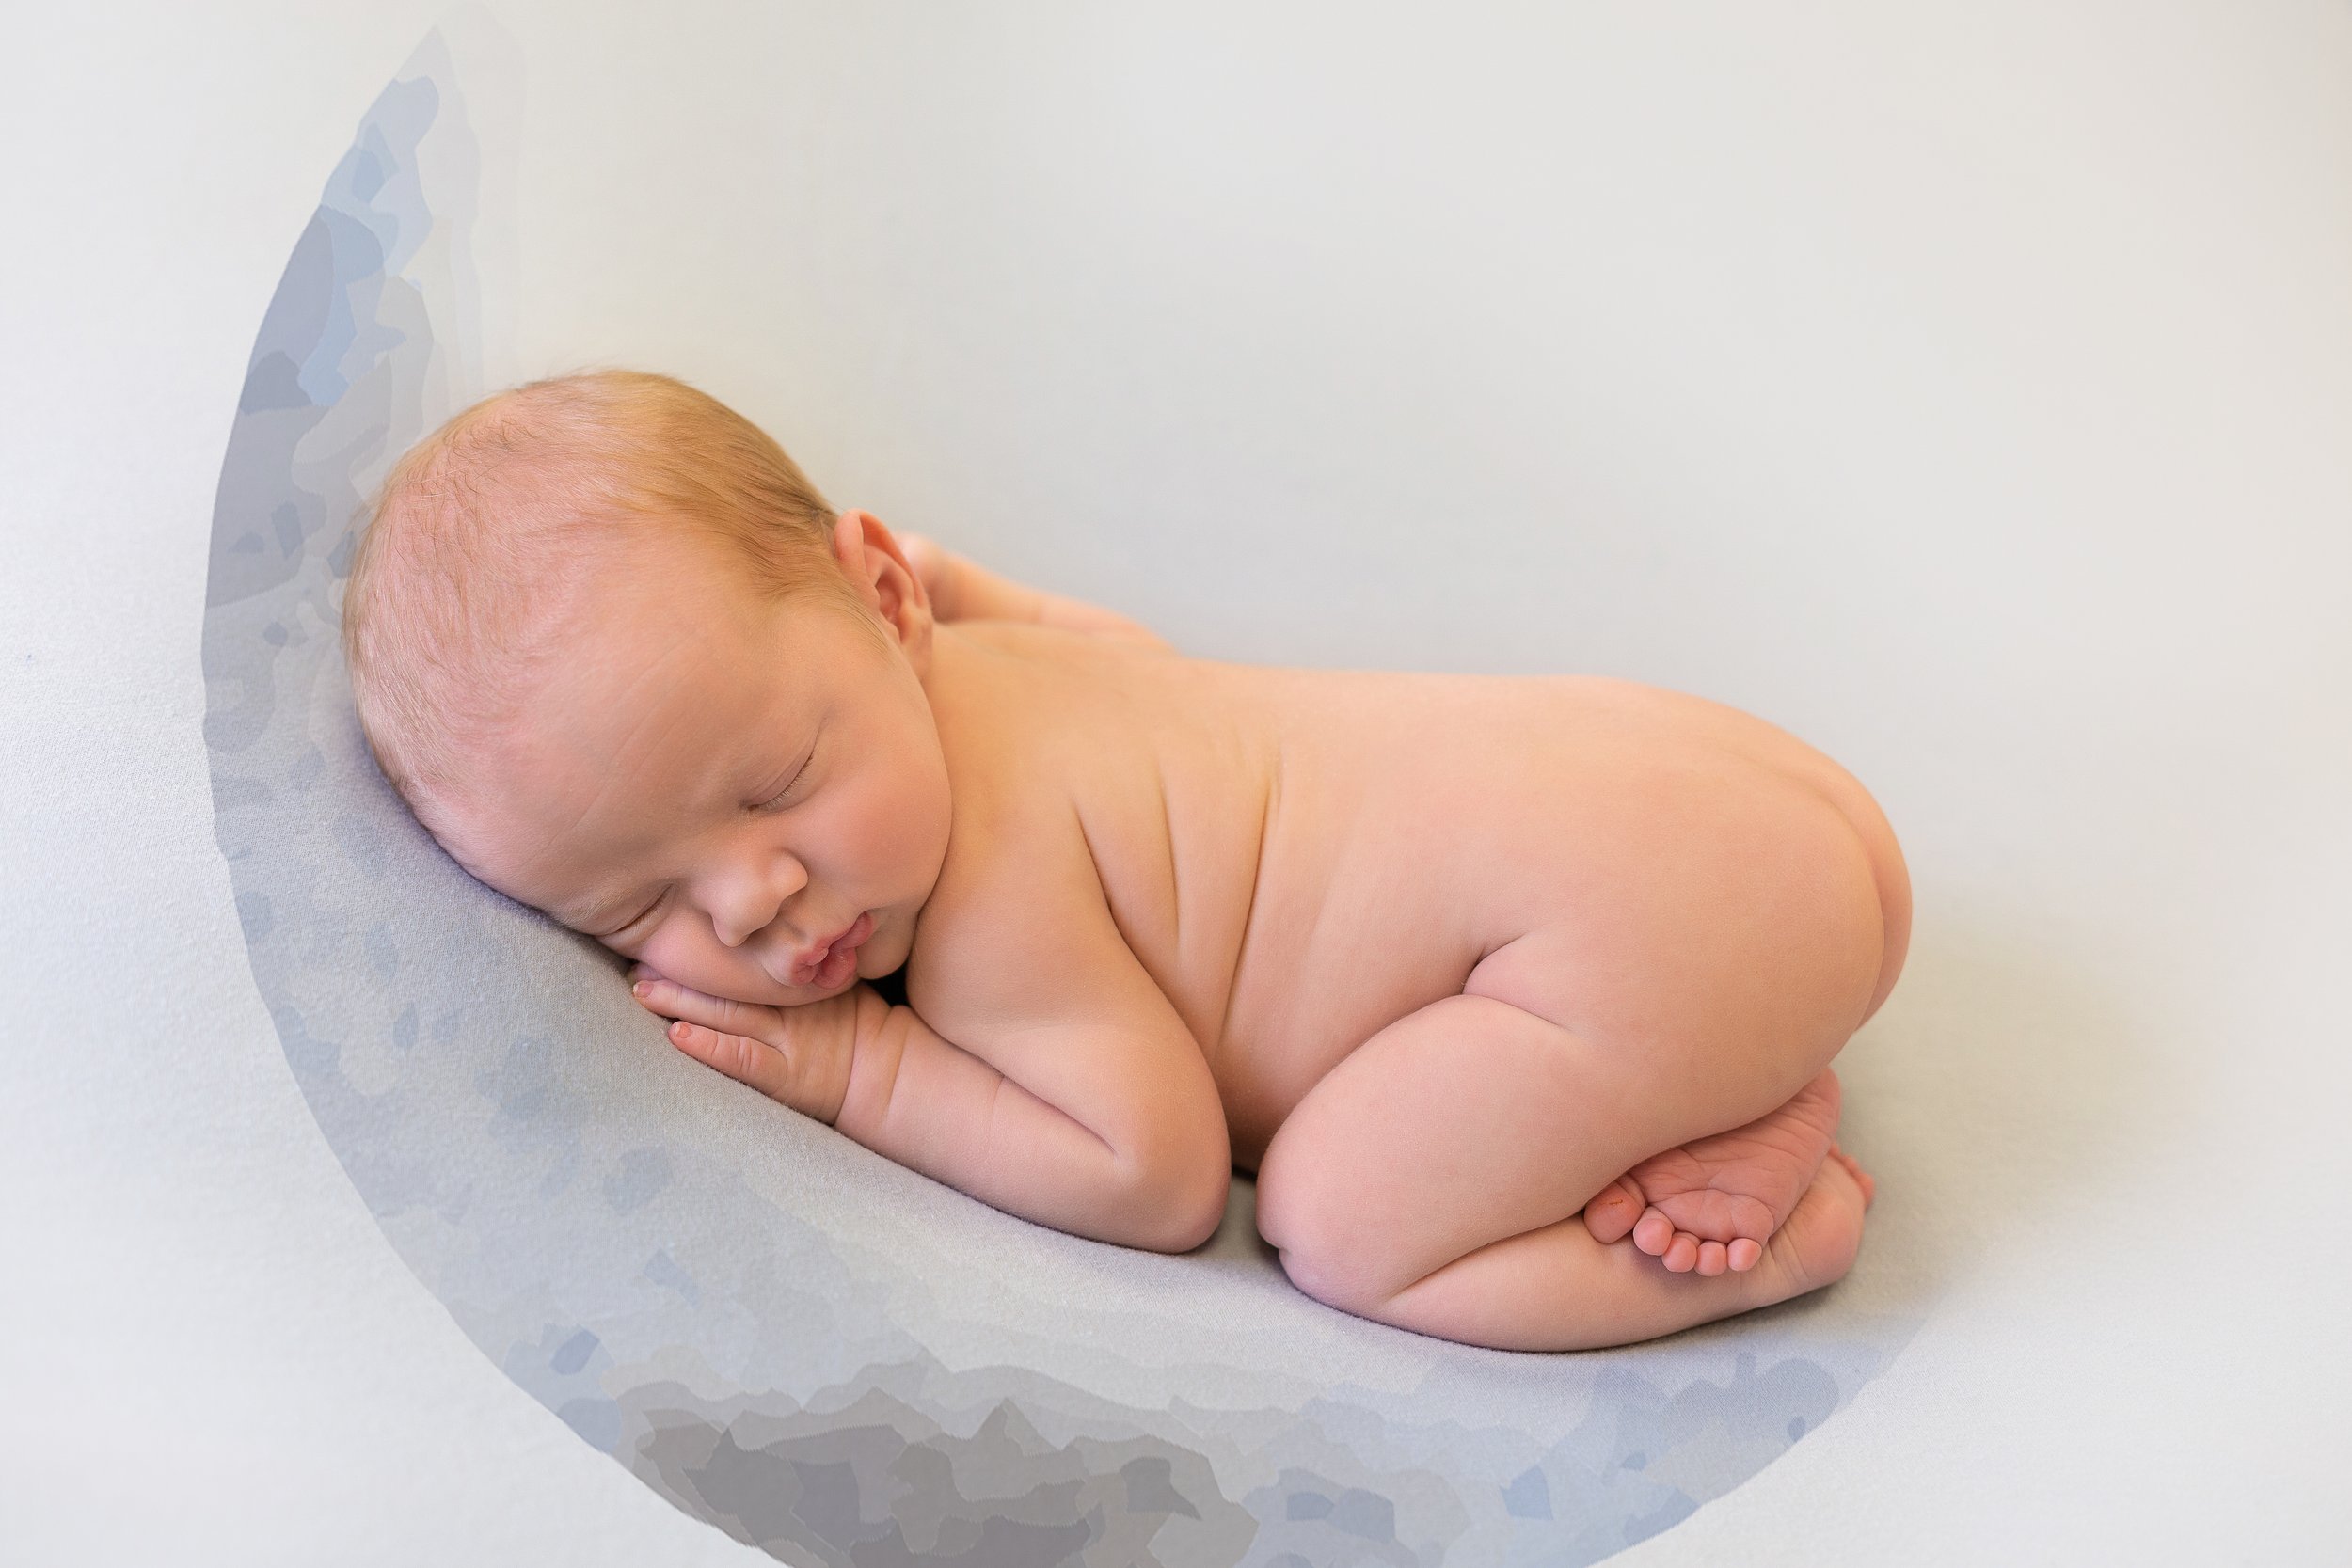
{"x": 1518, "y": 995}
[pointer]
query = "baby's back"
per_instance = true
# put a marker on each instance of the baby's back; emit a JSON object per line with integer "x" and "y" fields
{"x": 1298, "y": 857}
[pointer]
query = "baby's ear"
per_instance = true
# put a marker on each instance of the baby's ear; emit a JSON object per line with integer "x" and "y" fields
{"x": 885, "y": 580}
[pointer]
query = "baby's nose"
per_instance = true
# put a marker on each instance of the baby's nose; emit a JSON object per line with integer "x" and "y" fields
{"x": 750, "y": 903}
{"x": 734, "y": 930}
{"x": 737, "y": 910}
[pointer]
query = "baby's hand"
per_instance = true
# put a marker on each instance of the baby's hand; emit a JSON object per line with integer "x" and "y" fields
{"x": 798, "y": 1056}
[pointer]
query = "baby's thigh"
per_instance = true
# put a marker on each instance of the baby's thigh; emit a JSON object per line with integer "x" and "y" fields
{"x": 1460, "y": 1123}
{"x": 1736, "y": 932}
{"x": 1776, "y": 752}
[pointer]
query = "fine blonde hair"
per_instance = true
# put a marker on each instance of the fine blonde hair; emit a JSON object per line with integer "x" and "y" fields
{"x": 477, "y": 544}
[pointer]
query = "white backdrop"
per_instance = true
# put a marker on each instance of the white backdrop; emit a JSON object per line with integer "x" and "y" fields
{"x": 1968, "y": 390}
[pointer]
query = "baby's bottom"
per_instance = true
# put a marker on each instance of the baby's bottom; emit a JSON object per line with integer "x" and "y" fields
{"x": 1436, "y": 1177}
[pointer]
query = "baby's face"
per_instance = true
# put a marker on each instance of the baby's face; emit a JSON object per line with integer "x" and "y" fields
{"x": 721, "y": 787}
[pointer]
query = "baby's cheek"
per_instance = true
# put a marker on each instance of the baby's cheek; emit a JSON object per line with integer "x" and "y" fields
{"x": 663, "y": 953}
{"x": 674, "y": 953}
{"x": 892, "y": 827}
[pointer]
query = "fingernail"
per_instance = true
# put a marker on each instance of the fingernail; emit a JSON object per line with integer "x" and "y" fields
{"x": 640, "y": 989}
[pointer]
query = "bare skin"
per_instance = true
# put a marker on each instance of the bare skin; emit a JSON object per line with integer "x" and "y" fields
{"x": 1710, "y": 1204}
{"x": 1518, "y": 995}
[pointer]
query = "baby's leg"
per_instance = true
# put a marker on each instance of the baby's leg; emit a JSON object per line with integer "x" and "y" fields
{"x": 1435, "y": 1177}
{"x": 1507, "y": 1294}
{"x": 1433, "y": 1180}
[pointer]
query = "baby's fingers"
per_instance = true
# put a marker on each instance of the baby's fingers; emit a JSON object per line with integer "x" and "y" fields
{"x": 740, "y": 1056}
{"x": 722, "y": 1014}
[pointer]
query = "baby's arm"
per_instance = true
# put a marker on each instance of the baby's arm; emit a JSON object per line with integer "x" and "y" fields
{"x": 962, "y": 590}
{"x": 1097, "y": 1149}
{"x": 1071, "y": 1094}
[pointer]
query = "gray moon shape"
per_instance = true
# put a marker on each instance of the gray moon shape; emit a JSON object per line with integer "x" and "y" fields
{"x": 812, "y": 1349}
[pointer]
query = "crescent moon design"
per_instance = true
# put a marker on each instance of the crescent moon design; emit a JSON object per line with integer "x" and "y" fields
{"x": 810, "y": 1348}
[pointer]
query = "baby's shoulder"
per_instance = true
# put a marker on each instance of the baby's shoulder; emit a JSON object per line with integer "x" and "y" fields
{"x": 1043, "y": 750}
{"x": 1026, "y": 713}
{"x": 1019, "y": 880}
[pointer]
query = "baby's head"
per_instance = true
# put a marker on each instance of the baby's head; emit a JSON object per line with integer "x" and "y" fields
{"x": 626, "y": 664}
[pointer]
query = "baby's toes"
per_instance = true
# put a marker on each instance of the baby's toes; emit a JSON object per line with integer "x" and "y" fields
{"x": 1682, "y": 1253}
{"x": 1654, "y": 1232}
{"x": 1744, "y": 1255}
{"x": 1718, "y": 1216}
{"x": 1613, "y": 1214}
{"x": 1713, "y": 1259}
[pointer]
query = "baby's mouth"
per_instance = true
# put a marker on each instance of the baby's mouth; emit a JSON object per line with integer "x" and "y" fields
{"x": 838, "y": 960}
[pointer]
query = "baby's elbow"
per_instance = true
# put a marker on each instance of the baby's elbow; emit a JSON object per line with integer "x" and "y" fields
{"x": 1178, "y": 1200}
{"x": 1206, "y": 1208}
{"x": 1185, "y": 1215}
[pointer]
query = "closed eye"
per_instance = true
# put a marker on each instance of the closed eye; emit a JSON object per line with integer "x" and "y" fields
{"x": 633, "y": 920}
{"x": 777, "y": 798}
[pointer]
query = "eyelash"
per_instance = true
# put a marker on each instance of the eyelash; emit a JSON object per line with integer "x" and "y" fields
{"x": 769, "y": 804}
{"x": 636, "y": 919}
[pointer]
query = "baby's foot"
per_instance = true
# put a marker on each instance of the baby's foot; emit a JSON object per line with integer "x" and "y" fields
{"x": 1862, "y": 1179}
{"x": 1712, "y": 1204}
{"x": 1818, "y": 1244}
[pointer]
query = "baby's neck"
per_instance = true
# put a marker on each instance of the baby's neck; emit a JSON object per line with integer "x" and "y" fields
{"x": 951, "y": 651}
